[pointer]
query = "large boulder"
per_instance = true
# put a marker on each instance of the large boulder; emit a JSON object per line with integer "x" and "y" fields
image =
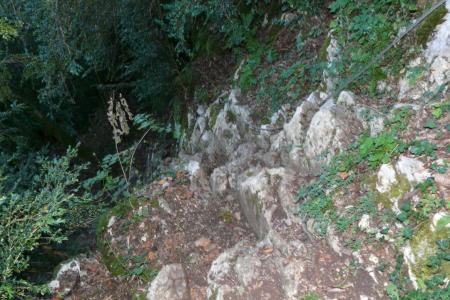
{"x": 288, "y": 143}
{"x": 331, "y": 130}
{"x": 267, "y": 197}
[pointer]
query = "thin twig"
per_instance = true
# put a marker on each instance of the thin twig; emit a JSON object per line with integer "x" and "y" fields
{"x": 134, "y": 152}
{"x": 121, "y": 165}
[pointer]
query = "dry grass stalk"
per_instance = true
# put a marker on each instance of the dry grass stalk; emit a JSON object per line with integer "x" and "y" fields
{"x": 118, "y": 116}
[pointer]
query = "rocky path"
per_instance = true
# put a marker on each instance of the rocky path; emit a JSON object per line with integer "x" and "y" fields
{"x": 227, "y": 227}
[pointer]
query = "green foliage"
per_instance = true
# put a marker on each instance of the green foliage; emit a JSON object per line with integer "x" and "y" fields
{"x": 439, "y": 110}
{"x": 423, "y": 147}
{"x": 233, "y": 21}
{"x": 44, "y": 212}
{"x": 380, "y": 149}
{"x": 69, "y": 56}
{"x": 7, "y": 31}
{"x": 434, "y": 288}
{"x": 430, "y": 124}
{"x": 365, "y": 28}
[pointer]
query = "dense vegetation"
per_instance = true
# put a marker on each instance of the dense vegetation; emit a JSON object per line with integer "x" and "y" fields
{"x": 70, "y": 70}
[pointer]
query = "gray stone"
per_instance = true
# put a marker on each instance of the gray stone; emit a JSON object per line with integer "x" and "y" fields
{"x": 347, "y": 98}
{"x": 387, "y": 177}
{"x": 413, "y": 169}
{"x": 219, "y": 180}
{"x": 332, "y": 129}
{"x": 296, "y": 128}
{"x": 169, "y": 284}
{"x": 66, "y": 279}
{"x": 247, "y": 269}
{"x": 436, "y": 59}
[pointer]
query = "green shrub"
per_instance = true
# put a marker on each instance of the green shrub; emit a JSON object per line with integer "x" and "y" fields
{"x": 44, "y": 212}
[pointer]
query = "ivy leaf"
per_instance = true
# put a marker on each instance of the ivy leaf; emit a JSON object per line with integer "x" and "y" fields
{"x": 392, "y": 291}
{"x": 437, "y": 112}
{"x": 338, "y": 5}
{"x": 443, "y": 222}
{"x": 402, "y": 217}
{"x": 406, "y": 207}
{"x": 430, "y": 124}
{"x": 407, "y": 233}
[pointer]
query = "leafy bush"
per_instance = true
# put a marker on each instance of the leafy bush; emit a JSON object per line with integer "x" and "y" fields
{"x": 45, "y": 212}
{"x": 231, "y": 20}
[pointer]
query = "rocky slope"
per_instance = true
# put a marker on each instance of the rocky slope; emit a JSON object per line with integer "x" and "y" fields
{"x": 227, "y": 224}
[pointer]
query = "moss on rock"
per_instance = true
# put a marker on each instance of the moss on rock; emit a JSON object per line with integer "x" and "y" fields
{"x": 214, "y": 113}
{"x": 231, "y": 116}
{"x": 396, "y": 192}
{"x": 424, "y": 245}
{"x": 428, "y": 26}
{"x": 323, "y": 52}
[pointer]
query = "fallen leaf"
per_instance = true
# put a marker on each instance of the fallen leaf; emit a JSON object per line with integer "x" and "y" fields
{"x": 203, "y": 243}
{"x": 152, "y": 255}
{"x": 267, "y": 250}
{"x": 343, "y": 175}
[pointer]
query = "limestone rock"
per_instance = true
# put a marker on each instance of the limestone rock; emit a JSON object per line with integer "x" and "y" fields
{"x": 332, "y": 55}
{"x": 332, "y": 128}
{"x": 387, "y": 177}
{"x": 413, "y": 169}
{"x": 248, "y": 269}
{"x": 347, "y": 98}
{"x": 435, "y": 63}
{"x": 219, "y": 180}
{"x": 370, "y": 119}
{"x": 257, "y": 202}
{"x": 333, "y": 241}
{"x": 241, "y": 273}
{"x": 296, "y": 128}
{"x": 170, "y": 284}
